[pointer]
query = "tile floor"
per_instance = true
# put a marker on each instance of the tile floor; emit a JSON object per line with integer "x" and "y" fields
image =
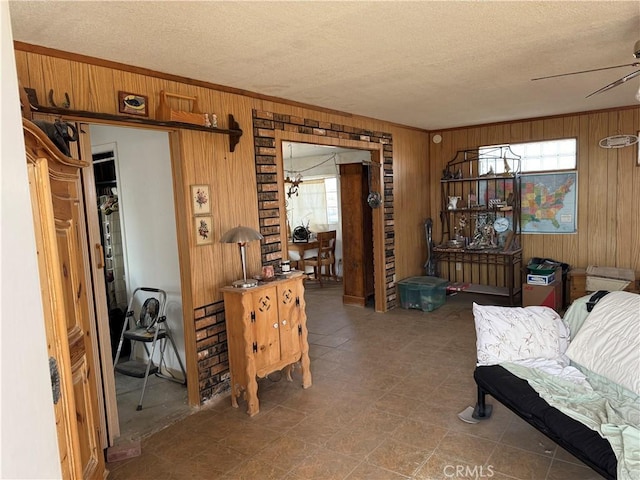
{"x": 164, "y": 403}
{"x": 383, "y": 406}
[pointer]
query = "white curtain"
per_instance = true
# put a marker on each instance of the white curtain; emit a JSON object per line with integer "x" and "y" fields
{"x": 309, "y": 206}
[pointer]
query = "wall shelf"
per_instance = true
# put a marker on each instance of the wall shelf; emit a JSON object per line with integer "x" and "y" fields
{"x": 234, "y": 132}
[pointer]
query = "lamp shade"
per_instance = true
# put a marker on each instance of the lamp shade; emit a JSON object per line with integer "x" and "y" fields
{"x": 240, "y": 235}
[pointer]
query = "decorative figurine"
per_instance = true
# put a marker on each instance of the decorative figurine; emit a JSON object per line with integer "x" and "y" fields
{"x": 507, "y": 168}
{"x": 510, "y": 199}
{"x": 453, "y": 203}
{"x": 462, "y": 223}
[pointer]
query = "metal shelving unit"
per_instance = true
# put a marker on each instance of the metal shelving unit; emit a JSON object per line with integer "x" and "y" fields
{"x": 480, "y": 249}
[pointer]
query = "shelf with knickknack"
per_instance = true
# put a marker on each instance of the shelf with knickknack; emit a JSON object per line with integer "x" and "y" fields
{"x": 233, "y": 131}
{"x": 480, "y": 249}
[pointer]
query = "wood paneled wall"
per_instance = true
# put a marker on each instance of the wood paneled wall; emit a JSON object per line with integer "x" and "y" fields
{"x": 608, "y": 184}
{"x": 608, "y": 191}
{"x": 204, "y": 158}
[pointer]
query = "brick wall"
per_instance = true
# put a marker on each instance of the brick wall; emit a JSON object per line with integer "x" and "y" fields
{"x": 212, "y": 350}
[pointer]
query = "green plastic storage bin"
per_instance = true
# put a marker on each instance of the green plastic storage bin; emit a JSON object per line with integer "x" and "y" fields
{"x": 424, "y": 293}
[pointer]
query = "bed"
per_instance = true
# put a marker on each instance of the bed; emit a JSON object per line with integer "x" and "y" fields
{"x": 576, "y": 379}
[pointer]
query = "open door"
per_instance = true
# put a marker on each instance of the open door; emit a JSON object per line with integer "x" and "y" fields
{"x": 357, "y": 234}
{"x": 108, "y": 408}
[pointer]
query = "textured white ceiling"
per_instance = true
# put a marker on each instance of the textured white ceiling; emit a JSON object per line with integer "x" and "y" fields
{"x": 423, "y": 63}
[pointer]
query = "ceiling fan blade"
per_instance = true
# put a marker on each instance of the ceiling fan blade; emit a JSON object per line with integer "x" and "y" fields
{"x": 616, "y": 83}
{"x": 634, "y": 64}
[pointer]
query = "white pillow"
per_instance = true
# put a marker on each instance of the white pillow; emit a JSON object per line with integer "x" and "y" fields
{"x": 608, "y": 342}
{"x": 508, "y": 334}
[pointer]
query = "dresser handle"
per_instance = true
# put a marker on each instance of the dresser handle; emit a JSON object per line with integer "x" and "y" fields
{"x": 284, "y": 322}
{"x": 275, "y": 325}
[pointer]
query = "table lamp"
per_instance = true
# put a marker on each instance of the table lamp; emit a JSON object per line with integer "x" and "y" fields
{"x": 242, "y": 236}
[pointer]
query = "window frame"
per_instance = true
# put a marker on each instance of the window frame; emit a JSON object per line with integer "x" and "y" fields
{"x": 524, "y": 171}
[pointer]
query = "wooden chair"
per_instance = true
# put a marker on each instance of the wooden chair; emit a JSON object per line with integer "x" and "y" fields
{"x": 326, "y": 256}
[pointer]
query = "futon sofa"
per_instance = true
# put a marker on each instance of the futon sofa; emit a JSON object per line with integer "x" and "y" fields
{"x": 576, "y": 379}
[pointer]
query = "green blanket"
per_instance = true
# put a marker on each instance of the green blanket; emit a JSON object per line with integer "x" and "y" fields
{"x": 601, "y": 405}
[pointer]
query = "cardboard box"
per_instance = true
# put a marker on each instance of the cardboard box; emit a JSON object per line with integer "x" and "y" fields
{"x": 544, "y": 295}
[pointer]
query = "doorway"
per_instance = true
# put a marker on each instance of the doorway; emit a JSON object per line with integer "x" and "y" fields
{"x": 317, "y": 198}
{"x": 135, "y": 202}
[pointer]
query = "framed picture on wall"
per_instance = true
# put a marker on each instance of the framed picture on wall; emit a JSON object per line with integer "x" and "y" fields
{"x": 202, "y": 226}
{"x": 200, "y": 199}
{"x": 132, "y": 104}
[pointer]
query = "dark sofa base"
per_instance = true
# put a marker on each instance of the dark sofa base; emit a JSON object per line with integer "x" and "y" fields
{"x": 516, "y": 394}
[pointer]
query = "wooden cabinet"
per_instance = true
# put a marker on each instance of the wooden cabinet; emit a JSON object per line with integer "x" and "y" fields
{"x": 480, "y": 213}
{"x": 65, "y": 280}
{"x": 266, "y": 332}
{"x": 357, "y": 234}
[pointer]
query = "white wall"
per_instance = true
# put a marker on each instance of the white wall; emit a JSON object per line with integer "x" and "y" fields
{"x": 28, "y": 442}
{"x": 145, "y": 194}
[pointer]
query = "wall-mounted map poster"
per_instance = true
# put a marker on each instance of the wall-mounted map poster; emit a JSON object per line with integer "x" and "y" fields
{"x": 549, "y": 203}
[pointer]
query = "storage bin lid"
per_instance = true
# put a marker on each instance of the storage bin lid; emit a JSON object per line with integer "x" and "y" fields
{"x": 427, "y": 281}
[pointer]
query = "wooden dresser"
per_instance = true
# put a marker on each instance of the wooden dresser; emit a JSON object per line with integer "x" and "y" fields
{"x": 266, "y": 332}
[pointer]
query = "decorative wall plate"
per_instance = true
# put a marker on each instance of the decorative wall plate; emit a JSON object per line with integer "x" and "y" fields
{"x": 618, "y": 141}
{"x": 374, "y": 199}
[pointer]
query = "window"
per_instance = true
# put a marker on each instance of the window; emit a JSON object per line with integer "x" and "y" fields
{"x": 545, "y": 156}
{"x": 331, "y": 191}
{"x": 315, "y": 205}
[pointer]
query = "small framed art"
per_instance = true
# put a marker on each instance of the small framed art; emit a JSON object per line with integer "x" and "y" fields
{"x": 202, "y": 230}
{"x": 132, "y": 104}
{"x": 200, "y": 199}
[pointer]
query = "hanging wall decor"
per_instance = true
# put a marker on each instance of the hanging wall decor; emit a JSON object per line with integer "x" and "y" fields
{"x": 132, "y": 104}
{"x": 202, "y": 232}
{"x": 200, "y": 199}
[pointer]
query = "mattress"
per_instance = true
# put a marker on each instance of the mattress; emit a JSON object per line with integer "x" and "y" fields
{"x": 516, "y": 394}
